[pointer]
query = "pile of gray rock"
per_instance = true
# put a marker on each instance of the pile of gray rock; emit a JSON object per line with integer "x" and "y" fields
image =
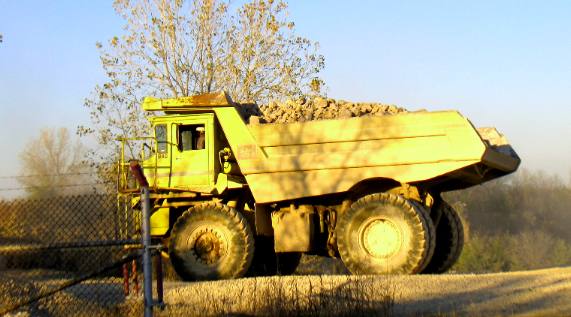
{"x": 317, "y": 108}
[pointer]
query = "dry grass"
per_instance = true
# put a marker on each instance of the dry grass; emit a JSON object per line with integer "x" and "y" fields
{"x": 527, "y": 293}
{"x": 283, "y": 296}
{"x": 95, "y": 297}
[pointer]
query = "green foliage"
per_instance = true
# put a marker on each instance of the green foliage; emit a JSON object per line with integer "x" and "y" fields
{"x": 507, "y": 252}
{"x": 517, "y": 223}
{"x": 483, "y": 254}
{"x": 526, "y": 201}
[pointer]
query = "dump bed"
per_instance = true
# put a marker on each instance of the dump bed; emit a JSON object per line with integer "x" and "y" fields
{"x": 437, "y": 150}
{"x": 441, "y": 150}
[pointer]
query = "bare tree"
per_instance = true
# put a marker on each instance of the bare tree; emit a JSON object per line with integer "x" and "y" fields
{"x": 53, "y": 164}
{"x": 174, "y": 48}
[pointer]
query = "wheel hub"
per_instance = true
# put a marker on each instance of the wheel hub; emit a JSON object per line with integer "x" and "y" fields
{"x": 209, "y": 245}
{"x": 381, "y": 238}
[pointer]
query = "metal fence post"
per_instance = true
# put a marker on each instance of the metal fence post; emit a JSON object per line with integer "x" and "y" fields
{"x": 147, "y": 265}
{"x": 159, "y": 273}
{"x": 146, "y": 226}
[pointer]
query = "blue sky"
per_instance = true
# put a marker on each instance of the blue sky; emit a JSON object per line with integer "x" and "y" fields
{"x": 501, "y": 63}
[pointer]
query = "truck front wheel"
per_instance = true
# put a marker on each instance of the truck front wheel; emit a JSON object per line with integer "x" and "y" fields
{"x": 384, "y": 234}
{"x": 211, "y": 241}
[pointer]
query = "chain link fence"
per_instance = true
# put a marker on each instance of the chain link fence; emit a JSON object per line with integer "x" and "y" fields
{"x": 69, "y": 256}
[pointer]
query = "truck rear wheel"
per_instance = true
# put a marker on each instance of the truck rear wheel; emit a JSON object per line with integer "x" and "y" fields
{"x": 449, "y": 240}
{"x": 211, "y": 241}
{"x": 384, "y": 234}
{"x": 431, "y": 233}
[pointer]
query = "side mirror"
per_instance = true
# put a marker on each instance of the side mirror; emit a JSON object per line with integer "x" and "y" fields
{"x": 144, "y": 148}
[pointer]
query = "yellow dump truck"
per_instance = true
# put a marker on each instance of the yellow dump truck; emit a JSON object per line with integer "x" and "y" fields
{"x": 232, "y": 196}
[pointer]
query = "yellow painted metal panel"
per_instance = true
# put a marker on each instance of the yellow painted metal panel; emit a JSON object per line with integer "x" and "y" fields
{"x": 183, "y": 169}
{"x": 241, "y": 140}
{"x": 269, "y": 187}
{"x": 357, "y": 129}
{"x": 160, "y": 222}
{"x": 415, "y": 138}
{"x": 187, "y": 103}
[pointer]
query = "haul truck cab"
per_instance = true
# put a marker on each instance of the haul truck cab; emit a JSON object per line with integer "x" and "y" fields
{"x": 181, "y": 161}
{"x": 365, "y": 189}
{"x": 185, "y": 148}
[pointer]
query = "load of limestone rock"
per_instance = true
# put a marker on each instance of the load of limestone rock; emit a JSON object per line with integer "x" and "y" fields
{"x": 316, "y": 109}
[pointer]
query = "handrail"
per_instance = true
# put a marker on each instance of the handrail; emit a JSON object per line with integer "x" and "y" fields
{"x": 123, "y": 170}
{"x": 123, "y": 165}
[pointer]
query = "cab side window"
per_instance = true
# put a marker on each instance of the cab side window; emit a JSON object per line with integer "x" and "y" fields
{"x": 191, "y": 137}
{"x": 161, "y": 136}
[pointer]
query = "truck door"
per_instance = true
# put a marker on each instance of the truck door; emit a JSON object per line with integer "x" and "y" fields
{"x": 160, "y": 169}
{"x": 190, "y": 155}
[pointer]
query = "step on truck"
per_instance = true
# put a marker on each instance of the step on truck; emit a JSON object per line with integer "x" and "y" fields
{"x": 232, "y": 196}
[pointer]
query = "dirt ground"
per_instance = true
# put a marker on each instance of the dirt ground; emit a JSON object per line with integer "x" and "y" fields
{"x": 530, "y": 293}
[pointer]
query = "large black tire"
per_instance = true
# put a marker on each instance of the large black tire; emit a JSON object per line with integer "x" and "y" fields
{"x": 431, "y": 234}
{"x": 267, "y": 262}
{"x": 449, "y": 239}
{"x": 384, "y": 234}
{"x": 211, "y": 241}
